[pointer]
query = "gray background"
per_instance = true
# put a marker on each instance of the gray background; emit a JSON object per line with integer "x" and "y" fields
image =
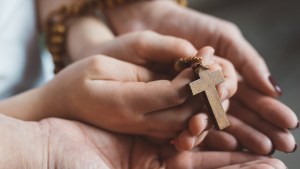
{"x": 273, "y": 28}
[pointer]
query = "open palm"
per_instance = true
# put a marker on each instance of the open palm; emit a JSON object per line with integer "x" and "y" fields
{"x": 77, "y": 145}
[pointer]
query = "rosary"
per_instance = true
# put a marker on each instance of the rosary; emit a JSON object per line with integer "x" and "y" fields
{"x": 206, "y": 86}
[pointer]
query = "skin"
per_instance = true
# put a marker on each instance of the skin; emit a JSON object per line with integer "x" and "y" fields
{"x": 116, "y": 101}
{"x": 56, "y": 143}
{"x": 224, "y": 36}
{"x": 199, "y": 29}
{"x": 262, "y": 141}
{"x": 70, "y": 149}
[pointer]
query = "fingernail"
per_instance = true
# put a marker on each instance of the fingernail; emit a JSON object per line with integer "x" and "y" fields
{"x": 272, "y": 151}
{"x": 193, "y": 144}
{"x": 294, "y": 150}
{"x": 297, "y": 126}
{"x": 200, "y": 138}
{"x": 275, "y": 85}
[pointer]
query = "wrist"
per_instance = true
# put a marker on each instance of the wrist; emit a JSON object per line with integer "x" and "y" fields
{"x": 31, "y": 105}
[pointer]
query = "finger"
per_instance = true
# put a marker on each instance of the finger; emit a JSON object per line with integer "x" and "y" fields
{"x": 209, "y": 159}
{"x": 249, "y": 137}
{"x": 267, "y": 108}
{"x": 186, "y": 141}
{"x": 206, "y": 53}
{"x": 281, "y": 139}
{"x": 222, "y": 141}
{"x": 102, "y": 67}
{"x": 245, "y": 59}
{"x": 175, "y": 119}
{"x": 229, "y": 87}
{"x": 147, "y": 46}
{"x": 226, "y": 104}
{"x": 163, "y": 48}
{"x": 265, "y": 164}
{"x": 141, "y": 97}
{"x": 198, "y": 123}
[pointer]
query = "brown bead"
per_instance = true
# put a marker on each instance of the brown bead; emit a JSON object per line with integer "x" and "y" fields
{"x": 57, "y": 58}
{"x": 120, "y": 2}
{"x": 59, "y": 28}
{"x": 55, "y": 50}
{"x": 57, "y": 40}
{"x": 110, "y": 4}
{"x": 182, "y": 2}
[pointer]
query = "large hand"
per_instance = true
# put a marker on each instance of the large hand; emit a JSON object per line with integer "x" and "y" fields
{"x": 166, "y": 17}
{"x": 83, "y": 146}
{"x": 259, "y": 123}
{"x": 55, "y": 143}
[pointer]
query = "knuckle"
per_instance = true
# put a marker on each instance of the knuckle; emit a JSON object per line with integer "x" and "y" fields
{"x": 144, "y": 36}
{"x": 231, "y": 27}
{"x": 148, "y": 34}
{"x": 175, "y": 98}
{"x": 96, "y": 63}
{"x": 141, "y": 43}
{"x": 182, "y": 46}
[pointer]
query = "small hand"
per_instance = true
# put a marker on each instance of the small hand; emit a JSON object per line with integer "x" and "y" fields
{"x": 153, "y": 56}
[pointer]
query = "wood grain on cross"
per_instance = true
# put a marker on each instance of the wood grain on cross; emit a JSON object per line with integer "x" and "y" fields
{"x": 206, "y": 83}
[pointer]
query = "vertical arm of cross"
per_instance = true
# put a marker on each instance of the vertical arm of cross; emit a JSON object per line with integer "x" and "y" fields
{"x": 216, "y": 108}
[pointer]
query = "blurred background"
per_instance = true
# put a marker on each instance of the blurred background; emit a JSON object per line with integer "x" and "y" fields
{"x": 273, "y": 28}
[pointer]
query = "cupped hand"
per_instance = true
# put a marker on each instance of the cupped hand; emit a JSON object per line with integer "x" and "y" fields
{"x": 259, "y": 124}
{"x": 77, "y": 145}
{"x": 166, "y": 17}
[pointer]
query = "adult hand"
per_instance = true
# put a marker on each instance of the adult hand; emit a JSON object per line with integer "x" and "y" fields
{"x": 168, "y": 18}
{"x": 259, "y": 123}
{"x": 63, "y": 144}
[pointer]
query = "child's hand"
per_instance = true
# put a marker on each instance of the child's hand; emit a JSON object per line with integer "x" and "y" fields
{"x": 122, "y": 97}
{"x": 128, "y": 98}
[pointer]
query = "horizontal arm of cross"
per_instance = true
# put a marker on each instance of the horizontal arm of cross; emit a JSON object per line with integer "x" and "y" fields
{"x": 198, "y": 86}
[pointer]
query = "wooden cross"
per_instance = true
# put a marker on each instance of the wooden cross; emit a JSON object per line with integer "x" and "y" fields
{"x": 206, "y": 83}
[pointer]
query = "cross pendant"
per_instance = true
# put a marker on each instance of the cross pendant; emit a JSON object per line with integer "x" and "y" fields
{"x": 206, "y": 84}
